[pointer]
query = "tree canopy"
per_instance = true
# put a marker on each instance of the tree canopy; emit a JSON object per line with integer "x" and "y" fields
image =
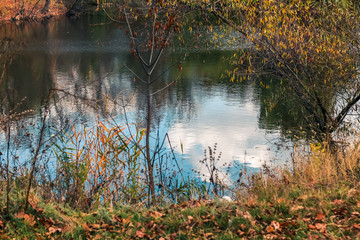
{"x": 312, "y": 46}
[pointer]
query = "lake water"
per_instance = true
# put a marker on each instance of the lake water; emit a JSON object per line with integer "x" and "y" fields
{"x": 90, "y": 57}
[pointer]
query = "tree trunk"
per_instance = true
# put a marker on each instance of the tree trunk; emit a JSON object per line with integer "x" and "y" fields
{"x": 46, "y": 7}
{"x": 75, "y": 9}
{"x": 148, "y": 157}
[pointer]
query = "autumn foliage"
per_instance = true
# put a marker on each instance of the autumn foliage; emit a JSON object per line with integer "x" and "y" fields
{"x": 311, "y": 46}
{"x": 29, "y": 10}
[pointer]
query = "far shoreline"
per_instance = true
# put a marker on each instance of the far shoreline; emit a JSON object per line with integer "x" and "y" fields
{"x": 33, "y": 11}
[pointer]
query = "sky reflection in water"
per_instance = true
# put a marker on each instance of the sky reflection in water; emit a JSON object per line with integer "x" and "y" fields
{"x": 199, "y": 111}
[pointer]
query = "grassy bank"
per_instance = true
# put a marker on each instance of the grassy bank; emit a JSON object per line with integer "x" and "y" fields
{"x": 329, "y": 213}
{"x": 318, "y": 197}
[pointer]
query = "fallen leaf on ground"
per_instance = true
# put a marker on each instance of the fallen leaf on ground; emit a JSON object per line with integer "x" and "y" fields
{"x": 296, "y": 208}
{"x": 357, "y": 226}
{"x": 320, "y": 217}
{"x": 53, "y": 229}
{"x": 139, "y": 234}
{"x": 310, "y": 226}
{"x": 245, "y": 214}
{"x": 321, "y": 227}
{"x": 286, "y": 224}
{"x": 86, "y": 227}
{"x": 243, "y": 227}
{"x": 124, "y": 221}
{"x": 29, "y": 219}
{"x": 47, "y": 222}
{"x": 156, "y": 214}
{"x": 355, "y": 213}
{"x": 20, "y": 214}
{"x": 33, "y": 201}
{"x": 97, "y": 226}
{"x": 338, "y": 201}
{"x": 270, "y": 229}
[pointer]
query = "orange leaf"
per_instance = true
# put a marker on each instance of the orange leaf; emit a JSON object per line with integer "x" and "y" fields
{"x": 97, "y": 226}
{"x": 86, "y": 227}
{"x": 103, "y": 226}
{"x": 156, "y": 214}
{"x": 139, "y": 234}
{"x": 20, "y": 214}
{"x": 357, "y": 226}
{"x": 355, "y": 214}
{"x": 243, "y": 227}
{"x": 33, "y": 201}
{"x": 296, "y": 208}
{"x": 29, "y": 219}
{"x": 286, "y": 224}
{"x": 320, "y": 217}
{"x": 127, "y": 220}
{"x": 270, "y": 229}
{"x": 321, "y": 227}
{"x": 53, "y": 229}
{"x": 310, "y": 226}
{"x": 338, "y": 202}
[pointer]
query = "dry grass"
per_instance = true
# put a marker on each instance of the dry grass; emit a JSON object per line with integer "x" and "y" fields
{"x": 100, "y": 162}
{"x": 313, "y": 172}
{"x": 324, "y": 168}
{"x": 318, "y": 197}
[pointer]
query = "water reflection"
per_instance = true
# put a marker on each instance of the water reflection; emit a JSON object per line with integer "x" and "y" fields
{"x": 89, "y": 58}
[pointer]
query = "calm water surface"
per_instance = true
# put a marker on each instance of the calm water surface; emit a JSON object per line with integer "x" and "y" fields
{"x": 88, "y": 58}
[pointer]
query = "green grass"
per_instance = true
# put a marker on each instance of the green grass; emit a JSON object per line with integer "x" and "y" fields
{"x": 314, "y": 201}
{"x": 328, "y": 212}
